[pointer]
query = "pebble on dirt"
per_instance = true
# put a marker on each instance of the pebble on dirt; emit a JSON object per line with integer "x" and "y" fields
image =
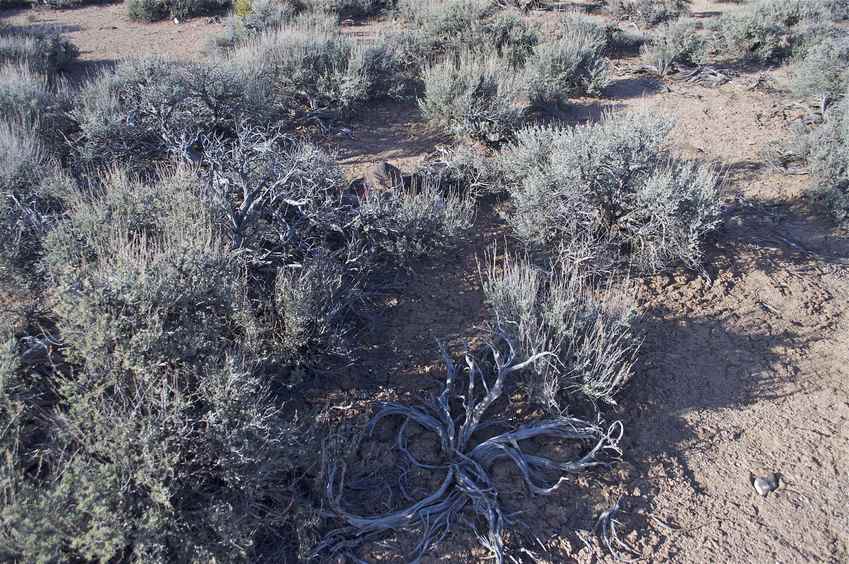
{"x": 765, "y": 484}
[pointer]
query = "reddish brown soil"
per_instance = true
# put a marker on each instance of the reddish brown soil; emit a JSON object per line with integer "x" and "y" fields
{"x": 745, "y": 366}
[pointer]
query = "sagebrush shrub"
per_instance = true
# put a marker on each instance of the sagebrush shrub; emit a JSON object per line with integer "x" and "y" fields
{"x": 793, "y": 12}
{"x": 750, "y": 35}
{"x": 828, "y": 154}
{"x": 155, "y": 10}
{"x": 648, "y": 12}
{"x": 772, "y": 30}
{"x": 568, "y": 67}
{"x": 589, "y": 331}
{"x": 64, "y": 4}
{"x": 446, "y": 28}
{"x": 31, "y": 191}
{"x": 23, "y": 93}
{"x": 511, "y": 37}
{"x": 261, "y": 15}
{"x": 584, "y": 31}
{"x": 473, "y": 97}
{"x": 670, "y": 43}
{"x": 161, "y": 440}
{"x": 823, "y": 71}
{"x": 311, "y": 70}
{"x": 147, "y": 10}
{"x": 610, "y": 186}
{"x": 280, "y": 201}
{"x": 43, "y": 51}
{"x": 122, "y": 115}
{"x": 348, "y": 8}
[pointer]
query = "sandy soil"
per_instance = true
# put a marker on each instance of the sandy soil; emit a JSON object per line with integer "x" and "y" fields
{"x": 745, "y": 366}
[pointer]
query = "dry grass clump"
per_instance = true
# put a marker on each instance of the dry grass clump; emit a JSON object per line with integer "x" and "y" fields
{"x": 610, "y": 190}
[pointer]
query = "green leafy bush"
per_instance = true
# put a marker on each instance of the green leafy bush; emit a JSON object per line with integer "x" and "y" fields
{"x": 589, "y": 332}
{"x": 675, "y": 42}
{"x": 473, "y": 97}
{"x": 610, "y": 191}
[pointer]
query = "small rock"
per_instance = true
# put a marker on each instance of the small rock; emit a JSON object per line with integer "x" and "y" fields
{"x": 765, "y": 484}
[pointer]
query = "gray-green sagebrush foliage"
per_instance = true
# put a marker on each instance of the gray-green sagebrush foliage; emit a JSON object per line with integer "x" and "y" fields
{"x": 485, "y": 97}
{"x": 155, "y": 10}
{"x": 473, "y": 97}
{"x": 44, "y": 51}
{"x": 571, "y": 66}
{"x": 828, "y": 155}
{"x": 648, "y": 12}
{"x": 609, "y": 190}
{"x": 171, "y": 302}
{"x": 822, "y": 72}
{"x": 159, "y": 420}
{"x": 149, "y": 110}
{"x": 588, "y": 331}
{"x": 772, "y": 30}
{"x": 672, "y": 43}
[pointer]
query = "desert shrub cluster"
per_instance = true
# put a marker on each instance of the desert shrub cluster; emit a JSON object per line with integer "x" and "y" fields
{"x": 648, "y": 12}
{"x": 773, "y": 30}
{"x": 183, "y": 256}
{"x": 176, "y": 255}
{"x": 484, "y": 96}
{"x": 822, "y": 72}
{"x": 609, "y": 193}
{"x": 46, "y": 51}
